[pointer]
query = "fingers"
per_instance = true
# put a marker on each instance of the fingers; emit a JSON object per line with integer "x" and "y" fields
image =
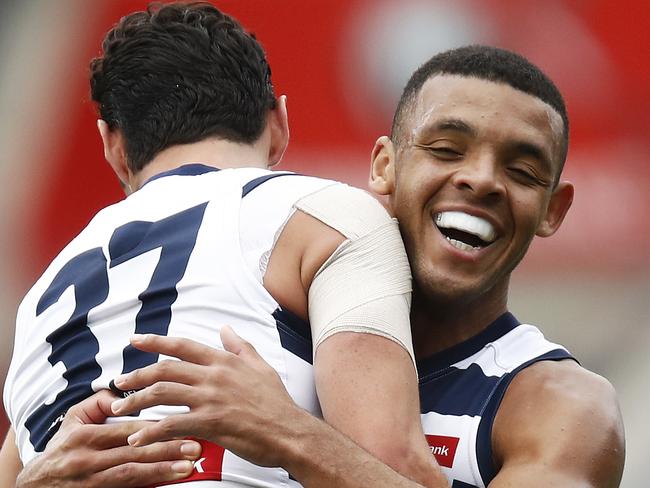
{"x": 103, "y": 436}
{"x": 236, "y": 345}
{"x": 184, "y": 349}
{"x": 167, "y": 370}
{"x": 161, "y": 393}
{"x": 92, "y": 410}
{"x": 181, "y": 425}
{"x": 173, "y": 450}
{"x": 80, "y": 462}
{"x": 231, "y": 341}
{"x": 134, "y": 475}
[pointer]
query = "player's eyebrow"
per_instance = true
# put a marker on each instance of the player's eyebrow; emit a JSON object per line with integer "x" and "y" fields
{"x": 456, "y": 125}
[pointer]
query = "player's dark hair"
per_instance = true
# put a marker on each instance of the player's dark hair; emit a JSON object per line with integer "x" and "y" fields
{"x": 178, "y": 73}
{"x": 487, "y": 63}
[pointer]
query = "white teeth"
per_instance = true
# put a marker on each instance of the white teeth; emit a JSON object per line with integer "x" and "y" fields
{"x": 471, "y": 224}
{"x": 462, "y": 245}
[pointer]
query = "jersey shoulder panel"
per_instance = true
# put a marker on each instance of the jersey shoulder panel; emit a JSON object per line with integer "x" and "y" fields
{"x": 265, "y": 209}
{"x": 461, "y": 390}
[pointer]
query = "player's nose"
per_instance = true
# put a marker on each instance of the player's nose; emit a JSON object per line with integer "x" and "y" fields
{"x": 480, "y": 175}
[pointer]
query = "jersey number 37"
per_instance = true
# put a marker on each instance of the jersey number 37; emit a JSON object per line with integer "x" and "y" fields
{"x": 74, "y": 344}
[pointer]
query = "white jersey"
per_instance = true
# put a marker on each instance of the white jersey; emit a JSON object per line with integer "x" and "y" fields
{"x": 461, "y": 389}
{"x": 180, "y": 257}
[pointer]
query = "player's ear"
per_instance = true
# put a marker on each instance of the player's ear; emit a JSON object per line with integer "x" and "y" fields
{"x": 559, "y": 205}
{"x": 278, "y": 121}
{"x": 115, "y": 152}
{"x": 382, "y": 167}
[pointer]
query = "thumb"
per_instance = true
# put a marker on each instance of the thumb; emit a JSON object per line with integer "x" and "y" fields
{"x": 235, "y": 344}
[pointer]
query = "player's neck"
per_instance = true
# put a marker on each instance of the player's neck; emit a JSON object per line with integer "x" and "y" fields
{"x": 214, "y": 152}
{"x": 439, "y": 326}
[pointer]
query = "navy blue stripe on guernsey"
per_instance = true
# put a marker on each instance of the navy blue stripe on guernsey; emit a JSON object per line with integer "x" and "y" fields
{"x": 465, "y": 391}
{"x": 433, "y": 365}
{"x": 251, "y": 185}
{"x": 485, "y": 458}
{"x": 194, "y": 169}
{"x": 295, "y": 334}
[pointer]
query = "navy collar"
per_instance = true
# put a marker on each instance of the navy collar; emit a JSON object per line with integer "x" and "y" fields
{"x": 193, "y": 169}
{"x": 445, "y": 358}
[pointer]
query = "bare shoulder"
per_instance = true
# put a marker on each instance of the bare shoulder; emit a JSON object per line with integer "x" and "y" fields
{"x": 566, "y": 386}
{"x": 563, "y": 416}
{"x": 303, "y": 246}
{"x": 322, "y": 221}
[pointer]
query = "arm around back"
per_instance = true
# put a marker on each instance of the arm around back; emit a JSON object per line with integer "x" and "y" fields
{"x": 363, "y": 365}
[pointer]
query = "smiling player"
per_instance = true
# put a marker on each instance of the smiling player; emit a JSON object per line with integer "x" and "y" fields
{"x": 472, "y": 171}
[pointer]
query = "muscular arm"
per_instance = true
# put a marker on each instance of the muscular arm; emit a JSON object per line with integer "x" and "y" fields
{"x": 321, "y": 457}
{"x": 358, "y": 376}
{"x": 558, "y": 425}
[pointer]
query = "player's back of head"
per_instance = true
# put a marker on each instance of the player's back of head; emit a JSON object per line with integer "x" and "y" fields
{"x": 177, "y": 74}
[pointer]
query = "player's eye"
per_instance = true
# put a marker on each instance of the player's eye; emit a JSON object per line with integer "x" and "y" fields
{"x": 446, "y": 153}
{"x": 527, "y": 176}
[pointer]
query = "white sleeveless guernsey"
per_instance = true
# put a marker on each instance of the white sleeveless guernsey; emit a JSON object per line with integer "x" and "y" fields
{"x": 461, "y": 389}
{"x": 180, "y": 257}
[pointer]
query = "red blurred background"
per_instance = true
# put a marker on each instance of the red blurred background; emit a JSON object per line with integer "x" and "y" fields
{"x": 342, "y": 64}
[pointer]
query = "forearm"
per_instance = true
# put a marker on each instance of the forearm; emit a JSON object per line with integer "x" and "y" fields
{"x": 239, "y": 402}
{"x": 10, "y": 464}
{"x": 366, "y": 411}
{"x": 319, "y": 456}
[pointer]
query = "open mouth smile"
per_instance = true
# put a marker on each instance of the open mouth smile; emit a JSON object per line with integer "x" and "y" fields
{"x": 464, "y": 231}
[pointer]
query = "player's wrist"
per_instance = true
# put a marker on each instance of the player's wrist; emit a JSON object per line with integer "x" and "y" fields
{"x": 298, "y": 449}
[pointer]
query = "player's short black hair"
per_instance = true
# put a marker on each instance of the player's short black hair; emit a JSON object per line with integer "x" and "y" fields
{"x": 487, "y": 63}
{"x": 178, "y": 73}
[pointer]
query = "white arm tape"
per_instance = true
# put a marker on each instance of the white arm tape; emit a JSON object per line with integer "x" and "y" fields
{"x": 365, "y": 285}
{"x": 351, "y": 211}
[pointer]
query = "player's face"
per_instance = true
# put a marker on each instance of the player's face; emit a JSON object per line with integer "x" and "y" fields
{"x": 473, "y": 184}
